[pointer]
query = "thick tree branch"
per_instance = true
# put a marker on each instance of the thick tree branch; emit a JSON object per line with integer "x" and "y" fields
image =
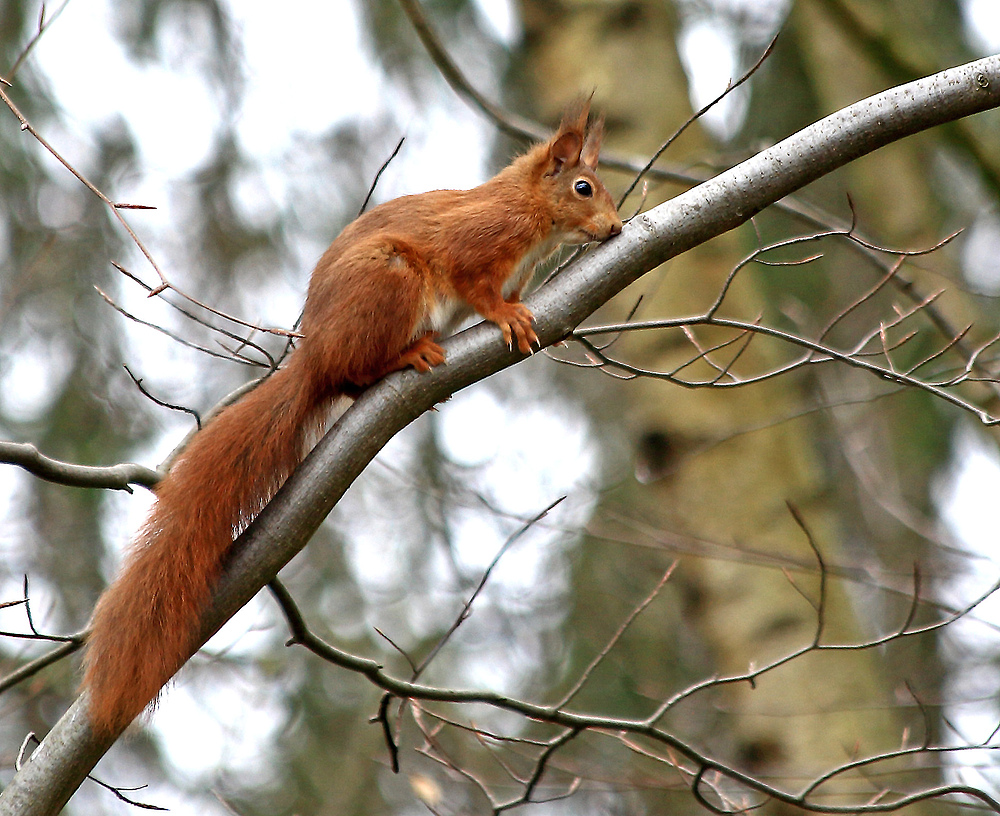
{"x": 69, "y": 751}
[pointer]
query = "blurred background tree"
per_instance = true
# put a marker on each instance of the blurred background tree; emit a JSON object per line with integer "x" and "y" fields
{"x": 256, "y": 132}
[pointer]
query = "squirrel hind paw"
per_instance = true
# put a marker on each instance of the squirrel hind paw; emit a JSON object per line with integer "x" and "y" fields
{"x": 423, "y": 355}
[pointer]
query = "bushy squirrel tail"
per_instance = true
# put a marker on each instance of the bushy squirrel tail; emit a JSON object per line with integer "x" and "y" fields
{"x": 145, "y": 625}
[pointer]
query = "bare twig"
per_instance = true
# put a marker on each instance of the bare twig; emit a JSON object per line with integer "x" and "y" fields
{"x": 531, "y": 783}
{"x": 113, "y": 477}
{"x": 817, "y": 354}
{"x": 240, "y": 339}
{"x": 515, "y": 126}
{"x": 378, "y": 175}
{"x": 116, "y": 211}
{"x": 694, "y": 117}
{"x": 44, "y": 22}
{"x": 146, "y": 393}
{"x": 176, "y": 337}
{"x": 118, "y": 792}
{"x": 467, "y": 608}
{"x": 601, "y": 655}
{"x": 111, "y": 205}
{"x": 708, "y": 769}
{"x": 32, "y": 667}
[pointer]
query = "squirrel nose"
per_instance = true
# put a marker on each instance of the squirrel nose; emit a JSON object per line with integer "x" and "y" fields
{"x": 616, "y": 228}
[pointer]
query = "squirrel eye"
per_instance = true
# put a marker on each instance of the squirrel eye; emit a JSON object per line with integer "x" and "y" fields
{"x": 583, "y": 188}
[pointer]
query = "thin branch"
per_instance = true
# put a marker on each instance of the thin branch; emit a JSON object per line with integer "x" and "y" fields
{"x": 378, "y": 175}
{"x": 647, "y": 727}
{"x": 694, "y": 117}
{"x": 820, "y": 605}
{"x": 817, "y": 353}
{"x": 112, "y": 477}
{"x": 288, "y": 334}
{"x": 33, "y": 667}
{"x": 819, "y": 350}
{"x": 173, "y": 335}
{"x": 118, "y": 792}
{"x": 531, "y": 783}
{"x": 43, "y": 25}
{"x": 432, "y": 749}
{"x": 703, "y": 353}
{"x": 906, "y": 630}
{"x": 755, "y": 257}
{"x": 601, "y": 655}
{"x": 157, "y": 401}
{"x": 467, "y": 608}
{"x": 515, "y": 126}
{"x": 115, "y": 209}
{"x": 864, "y": 298}
{"x": 111, "y": 205}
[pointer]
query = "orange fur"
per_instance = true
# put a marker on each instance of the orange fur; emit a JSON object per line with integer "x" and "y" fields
{"x": 392, "y": 280}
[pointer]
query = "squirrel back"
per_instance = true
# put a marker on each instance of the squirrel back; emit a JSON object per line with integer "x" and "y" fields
{"x": 391, "y": 281}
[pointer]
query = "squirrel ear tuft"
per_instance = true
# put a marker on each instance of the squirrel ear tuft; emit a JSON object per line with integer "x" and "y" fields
{"x": 566, "y": 145}
{"x": 576, "y": 113}
{"x": 592, "y": 144}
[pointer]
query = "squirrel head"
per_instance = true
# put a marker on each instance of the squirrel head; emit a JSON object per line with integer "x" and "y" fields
{"x": 580, "y": 206}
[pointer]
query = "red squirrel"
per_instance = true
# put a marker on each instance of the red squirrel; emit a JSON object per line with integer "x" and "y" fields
{"x": 391, "y": 281}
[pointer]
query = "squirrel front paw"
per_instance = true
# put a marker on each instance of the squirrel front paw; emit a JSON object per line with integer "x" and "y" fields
{"x": 514, "y": 320}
